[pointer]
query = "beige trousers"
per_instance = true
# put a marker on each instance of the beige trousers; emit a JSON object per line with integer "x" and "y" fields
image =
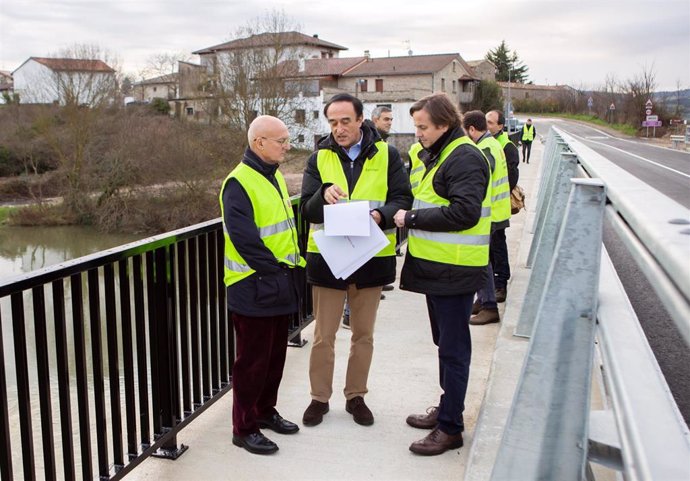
{"x": 328, "y": 310}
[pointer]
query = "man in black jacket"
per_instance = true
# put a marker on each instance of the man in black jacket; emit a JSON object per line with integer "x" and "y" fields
{"x": 352, "y": 163}
{"x": 447, "y": 255}
{"x": 263, "y": 276}
{"x": 499, "y": 248}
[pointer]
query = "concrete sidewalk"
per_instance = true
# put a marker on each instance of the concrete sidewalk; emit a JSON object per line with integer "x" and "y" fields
{"x": 403, "y": 380}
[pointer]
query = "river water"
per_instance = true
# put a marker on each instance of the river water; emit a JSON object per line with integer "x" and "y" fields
{"x": 26, "y": 249}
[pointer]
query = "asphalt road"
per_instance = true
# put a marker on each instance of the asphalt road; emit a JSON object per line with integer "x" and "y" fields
{"x": 667, "y": 171}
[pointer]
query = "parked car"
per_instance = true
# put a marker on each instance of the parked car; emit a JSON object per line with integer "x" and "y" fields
{"x": 513, "y": 127}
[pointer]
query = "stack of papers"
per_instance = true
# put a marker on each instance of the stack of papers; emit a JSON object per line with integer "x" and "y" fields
{"x": 350, "y": 237}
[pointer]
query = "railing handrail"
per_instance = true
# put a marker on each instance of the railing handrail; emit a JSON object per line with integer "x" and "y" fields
{"x": 649, "y": 214}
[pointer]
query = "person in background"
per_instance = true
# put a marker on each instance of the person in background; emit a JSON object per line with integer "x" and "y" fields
{"x": 352, "y": 163}
{"x": 447, "y": 255}
{"x": 263, "y": 274}
{"x": 499, "y": 248}
{"x": 529, "y": 132}
{"x": 474, "y": 123}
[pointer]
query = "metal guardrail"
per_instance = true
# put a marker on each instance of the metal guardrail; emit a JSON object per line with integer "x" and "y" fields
{"x": 139, "y": 336}
{"x": 574, "y": 294}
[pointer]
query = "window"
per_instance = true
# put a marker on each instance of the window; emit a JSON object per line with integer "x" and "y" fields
{"x": 379, "y": 85}
{"x": 443, "y": 85}
{"x": 300, "y": 138}
{"x": 526, "y": 95}
{"x": 190, "y": 110}
{"x": 455, "y": 88}
{"x": 453, "y": 65}
{"x": 155, "y": 88}
{"x": 316, "y": 115}
{"x": 300, "y": 116}
{"x": 363, "y": 85}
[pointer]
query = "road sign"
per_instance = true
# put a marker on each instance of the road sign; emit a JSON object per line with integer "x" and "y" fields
{"x": 649, "y": 104}
{"x": 648, "y": 111}
{"x": 612, "y": 106}
{"x": 651, "y": 123}
{"x": 590, "y": 102}
{"x": 653, "y": 118}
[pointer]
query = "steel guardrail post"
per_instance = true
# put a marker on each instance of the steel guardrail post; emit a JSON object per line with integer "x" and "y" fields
{"x": 547, "y": 429}
{"x": 543, "y": 246}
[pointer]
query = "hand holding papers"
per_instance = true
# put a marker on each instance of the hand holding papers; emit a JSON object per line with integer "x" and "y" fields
{"x": 344, "y": 254}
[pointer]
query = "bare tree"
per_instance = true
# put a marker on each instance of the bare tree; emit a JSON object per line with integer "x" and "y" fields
{"x": 163, "y": 63}
{"x": 636, "y": 92}
{"x": 248, "y": 81}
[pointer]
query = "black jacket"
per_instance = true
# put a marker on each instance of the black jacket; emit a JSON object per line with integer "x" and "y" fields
{"x": 274, "y": 289}
{"x": 462, "y": 179}
{"x": 378, "y": 271}
{"x": 513, "y": 161}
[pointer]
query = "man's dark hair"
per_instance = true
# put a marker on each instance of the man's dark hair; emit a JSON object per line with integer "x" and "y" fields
{"x": 356, "y": 103}
{"x": 501, "y": 117}
{"x": 441, "y": 110}
{"x": 474, "y": 118}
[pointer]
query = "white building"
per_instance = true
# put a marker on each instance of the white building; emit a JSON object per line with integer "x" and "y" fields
{"x": 64, "y": 81}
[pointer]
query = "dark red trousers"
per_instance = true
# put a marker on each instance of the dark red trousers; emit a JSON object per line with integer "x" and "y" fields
{"x": 261, "y": 345}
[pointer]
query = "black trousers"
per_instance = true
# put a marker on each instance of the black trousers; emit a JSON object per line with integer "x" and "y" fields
{"x": 526, "y": 150}
{"x": 498, "y": 251}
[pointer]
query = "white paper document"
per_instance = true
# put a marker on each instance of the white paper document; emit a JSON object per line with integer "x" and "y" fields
{"x": 345, "y": 254}
{"x": 347, "y": 218}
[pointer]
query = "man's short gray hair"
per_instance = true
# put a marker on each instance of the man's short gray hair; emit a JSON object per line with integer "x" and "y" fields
{"x": 376, "y": 113}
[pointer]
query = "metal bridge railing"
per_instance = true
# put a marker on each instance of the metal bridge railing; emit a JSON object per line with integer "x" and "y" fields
{"x": 139, "y": 336}
{"x": 573, "y": 297}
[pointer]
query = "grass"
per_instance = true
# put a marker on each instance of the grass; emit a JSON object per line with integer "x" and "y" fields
{"x": 622, "y": 128}
{"x": 5, "y": 213}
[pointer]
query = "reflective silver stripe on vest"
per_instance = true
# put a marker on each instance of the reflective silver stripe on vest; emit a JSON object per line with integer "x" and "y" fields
{"x": 389, "y": 231}
{"x": 294, "y": 258}
{"x": 502, "y": 195}
{"x": 420, "y": 204}
{"x": 416, "y": 169}
{"x": 236, "y": 266}
{"x": 503, "y": 180}
{"x": 414, "y": 185}
{"x": 451, "y": 238}
{"x": 277, "y": 228}
{"x": 375, "y": 204}
{"x": 316, "y": 227}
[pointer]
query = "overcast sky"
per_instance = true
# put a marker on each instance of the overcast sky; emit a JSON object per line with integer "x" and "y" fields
{"x": 576, "y": 42}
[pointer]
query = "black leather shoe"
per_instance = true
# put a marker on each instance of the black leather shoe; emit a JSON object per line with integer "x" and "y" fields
{"x": 359, "y": 410}
{"x": 436, "y": 442}
{"x": 388, "y": 287}
{"x": 313, "y": 415}
{"x": 278, "y": 424}
{"x": 255, "y": 443}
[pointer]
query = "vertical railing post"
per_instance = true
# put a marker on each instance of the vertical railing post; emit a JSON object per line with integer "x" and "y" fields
{"x": 543, "y": 246}
{"x": 5, "y": 441}
{"x": 547, "y": 429}
{"x": 165, "y": 352}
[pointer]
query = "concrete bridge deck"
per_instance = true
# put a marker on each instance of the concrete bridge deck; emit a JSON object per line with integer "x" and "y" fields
{"x": 403, "y": 380}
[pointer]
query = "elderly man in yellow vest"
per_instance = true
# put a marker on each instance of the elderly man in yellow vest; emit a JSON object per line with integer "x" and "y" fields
{"x": 447, "y": 254}
{"x": 352, "y": 163}
{"x": 262, "y": 275}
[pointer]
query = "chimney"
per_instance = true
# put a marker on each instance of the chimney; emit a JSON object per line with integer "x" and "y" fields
{"x": 316, "y": 35}
{"x": 367, "y": 54}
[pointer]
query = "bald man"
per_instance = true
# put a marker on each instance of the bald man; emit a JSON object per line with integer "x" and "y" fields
{"x": 263, "y": 268}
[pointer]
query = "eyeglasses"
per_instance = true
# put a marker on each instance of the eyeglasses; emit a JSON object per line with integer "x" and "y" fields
{"x": 283, "y": 142}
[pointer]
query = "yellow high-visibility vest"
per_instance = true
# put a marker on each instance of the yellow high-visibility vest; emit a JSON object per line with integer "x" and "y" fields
{"x": 372, "y": 185}
{"x": 500, "y": 189}
{"x": 469, "y": 247}
{"x": 528, "y": 133}
{"x": 273, "y": 217}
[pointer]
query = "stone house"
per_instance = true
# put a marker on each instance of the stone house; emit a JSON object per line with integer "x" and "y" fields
{"x": 161, "y": 87}
{"x": 484, "y": 69}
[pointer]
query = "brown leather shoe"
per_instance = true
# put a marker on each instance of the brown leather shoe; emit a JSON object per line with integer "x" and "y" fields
{"x": 501, "y": 294}
{"x": 359, "y": 410}
{"x": 485, "y": 316}
{"x": 436, "y": 442}
{"x": 424, "y": 421}
{"x": 313, "y": 415}
{"x": 476, "y": 307}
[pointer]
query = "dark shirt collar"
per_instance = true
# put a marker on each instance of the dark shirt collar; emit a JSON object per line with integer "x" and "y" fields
{"x": 254, "y": 161}
{"x": 437, "y": 147}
